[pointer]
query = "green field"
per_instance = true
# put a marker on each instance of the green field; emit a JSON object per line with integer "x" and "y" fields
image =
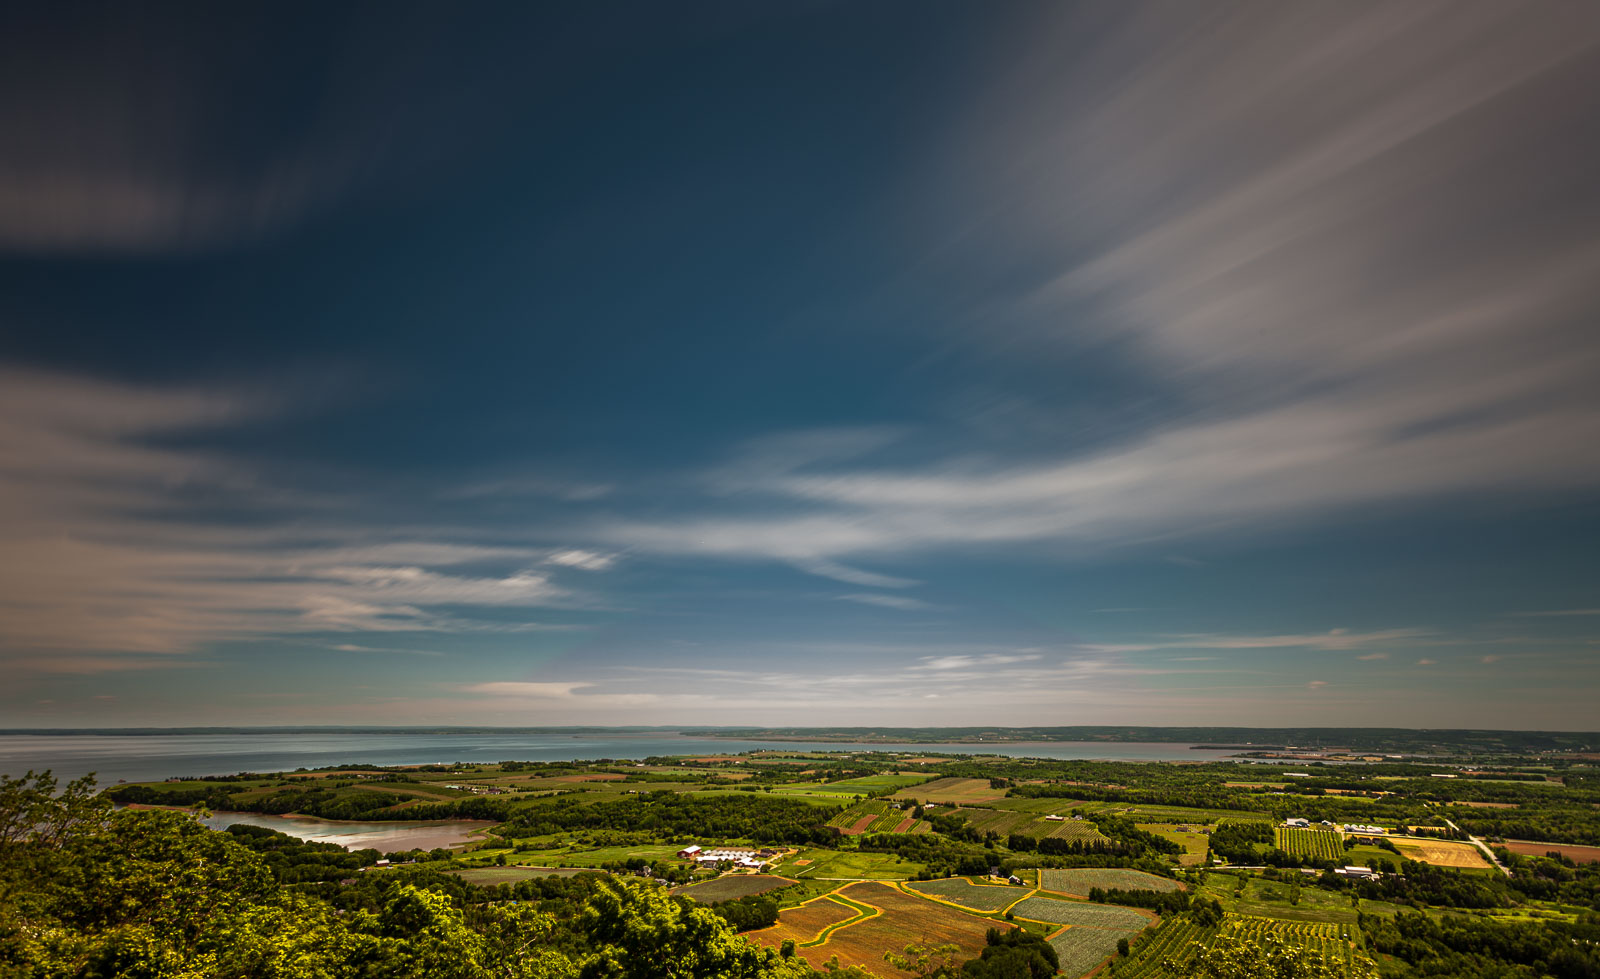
{"x": 1082, "y": 947}
{"x": 1314, "y": 844}
{"x": 1333, "y": 941}
{"x": 854, "y": 814}
{"x": 1194, "y": 841}
{"x": 988, "y": 898}
{"x": 1167, "y": 953}
{"x": 1092, "y": 929}
{"x": 1080, "y": 880}
{"x": 843, "y": 790}
{"x": 490, "y": 876}
{"x": 847, "y": 864}
{"x": 1083, "y": 913}
{"x": 732, "y": 886}
{"x": 1164, "y": 953}
{"x": 1274, "y": 899}
{"x": 609, "y": 854}
{"x": 889, "y": 821}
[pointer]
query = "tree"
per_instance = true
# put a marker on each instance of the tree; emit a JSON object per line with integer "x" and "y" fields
{"x": 922, "y": 961}
{"x": 1245, "y": 958}
{"x": 638, "y": 932}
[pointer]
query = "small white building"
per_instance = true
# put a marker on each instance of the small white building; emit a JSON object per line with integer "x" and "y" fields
{"x": 1056, "y": 819}
{"x": 1359, "y": 873}
{"x": 1361, "y": 829}
{"x": 1297, "y": 823}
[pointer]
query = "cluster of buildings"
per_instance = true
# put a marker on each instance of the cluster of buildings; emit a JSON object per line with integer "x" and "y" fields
{"x": 740, "y": 859}
{"x": 1360, "y": 829}
{"x": 1298, "y": 823}
{"x": 1353, "y": 829}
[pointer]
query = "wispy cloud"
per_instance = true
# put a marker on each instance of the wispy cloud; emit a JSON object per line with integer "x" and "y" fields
{"x": 585, "y": 560}
{"x": 1334, "y": 639}
{"x": 960, "y": 662}
{"x": 1295, "y": 227}
{"x": 104, "y": 556}
{"x": 1559, "y": 613}
{"x": 901, "y": 602}
{"x": 853, "y": 576}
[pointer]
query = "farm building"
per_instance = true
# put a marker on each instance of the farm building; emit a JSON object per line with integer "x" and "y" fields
{"x": 1055, "y": 819}
{"x": 1364, "y": 830}
{"x": 1297, "y": 823}
{"x": 1362, "y": 873}
{"x": 689, "y": 853}
{"x": 744, "y": 859}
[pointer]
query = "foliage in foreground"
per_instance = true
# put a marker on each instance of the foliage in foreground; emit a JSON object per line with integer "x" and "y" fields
{"x": 153, "y": 894}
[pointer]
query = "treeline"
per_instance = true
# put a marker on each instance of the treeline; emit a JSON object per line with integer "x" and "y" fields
{"x": 294, "y": 861}
{"x": 1554, "y": 879}
{"x": 747, "y": 913}
{"x": 1241, "y": 842}
{"x": 325, "y": 802}
{"x": 939, "y": 855}
{"x": 1161, "y": 902}
{"x": 1421, "y": 884}
{"x": 1581, "y": 826}
{"x": 1476, "y": 948}
{"x": 761, "y": 818}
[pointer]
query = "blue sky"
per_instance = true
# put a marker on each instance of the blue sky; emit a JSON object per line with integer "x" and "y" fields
{"x": 825, "y": 364}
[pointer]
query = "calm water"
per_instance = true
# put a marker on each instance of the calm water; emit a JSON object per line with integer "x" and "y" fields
{"x": 138, "y": 758}
{"x": 383, "y": 837}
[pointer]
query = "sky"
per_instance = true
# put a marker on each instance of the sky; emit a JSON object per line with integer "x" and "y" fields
{"x": 814, "y": 363}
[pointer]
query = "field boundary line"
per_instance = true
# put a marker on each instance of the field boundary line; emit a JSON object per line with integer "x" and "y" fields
{"x": 975, "y": 912}
{"x": 859, "y": 907}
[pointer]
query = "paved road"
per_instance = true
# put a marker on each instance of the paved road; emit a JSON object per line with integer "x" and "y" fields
{"x": 1484, "y": 847}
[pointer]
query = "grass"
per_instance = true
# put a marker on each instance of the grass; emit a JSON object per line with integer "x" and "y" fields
{"x": 1080, "y": 880}
{"x": 867, "y": 785}
{"x": 1273, "y": 899}
{"x": 1443, "y": 853}
{"x": 491, "y": 876}
{"x": 610, "y": 854}
{"x": 1194, "y": 842}
{"x": 1062, "y": 912}
{"x": 988, "y": 898}
{"x": 952, "y": 790}
{"x": 732, "y": 886}
{"x": 805, "y": 890}
{"x": 854, "y": 864}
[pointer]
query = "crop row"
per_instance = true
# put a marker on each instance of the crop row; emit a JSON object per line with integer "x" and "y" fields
{"x": 1079, "y": 913}
{"x": 1167, "y": 952}
{"x": 1329, "y": 940}
{"x": 848, "y": 818}
{"x": 1317, "y": 844}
